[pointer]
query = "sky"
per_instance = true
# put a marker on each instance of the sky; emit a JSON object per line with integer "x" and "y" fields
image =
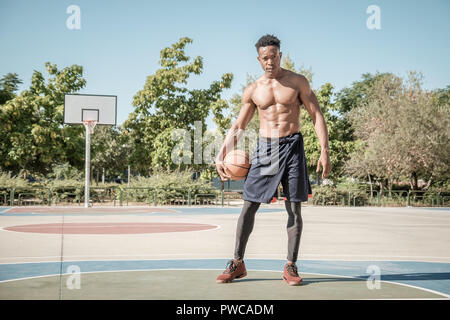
{"x": 118, "y": 42}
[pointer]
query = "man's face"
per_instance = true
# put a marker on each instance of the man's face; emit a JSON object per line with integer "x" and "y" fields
{"x": 270, "y": 58}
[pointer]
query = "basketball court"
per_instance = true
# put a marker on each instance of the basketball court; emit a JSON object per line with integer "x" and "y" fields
{"x": 176, "y": 253}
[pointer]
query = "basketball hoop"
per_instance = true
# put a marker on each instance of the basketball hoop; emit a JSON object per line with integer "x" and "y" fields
{"x": 90, "y": 125}
{"x": 89, "y": 110}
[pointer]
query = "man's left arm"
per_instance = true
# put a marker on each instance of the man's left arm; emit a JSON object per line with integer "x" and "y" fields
{"x": 311, "y": 104}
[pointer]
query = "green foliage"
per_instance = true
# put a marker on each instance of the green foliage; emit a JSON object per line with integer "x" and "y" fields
{"x": 339, "y": 194}
{"x": 223, "y": 122}
{"x": 339, "y": 136}
{"x": 403, "y": 131}
{"x": 33, "y": 137}
{"x": 65, "y": 172}
{"x": 8, "y": 86}
{"x": 165, "y": 104}
{"x": 169, "y": 186}
{"x": 8, "y": 181}
{"x": 109, "y": 150}
{"x": 382, "y": 127}
{"x": 358, "y": 93}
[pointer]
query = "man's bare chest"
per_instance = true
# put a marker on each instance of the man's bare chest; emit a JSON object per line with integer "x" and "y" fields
{"x": 267, "y": 95}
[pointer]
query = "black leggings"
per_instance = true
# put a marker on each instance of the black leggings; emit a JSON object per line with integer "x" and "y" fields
{"x": 247, "y": 220}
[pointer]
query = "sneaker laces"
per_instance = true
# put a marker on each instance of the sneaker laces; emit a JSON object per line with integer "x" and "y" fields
{"x": 292, "y": 270}
{"x": 231, "y": 266}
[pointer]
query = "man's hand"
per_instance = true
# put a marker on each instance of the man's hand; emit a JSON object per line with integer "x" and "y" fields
{"x": 221, "y": 170}
{"x": 324, "y": 160}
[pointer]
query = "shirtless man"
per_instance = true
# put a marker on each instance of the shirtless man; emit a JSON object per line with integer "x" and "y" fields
{"x": 278, "y": 95}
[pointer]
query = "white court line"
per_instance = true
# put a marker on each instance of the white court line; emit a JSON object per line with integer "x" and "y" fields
{"x": 263, "y": 270}
{"x": 217, "y": 227}
{"x": 69, "y": 226}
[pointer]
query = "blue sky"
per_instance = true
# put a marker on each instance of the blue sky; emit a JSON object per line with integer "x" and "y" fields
{"x": 119, "y": 41}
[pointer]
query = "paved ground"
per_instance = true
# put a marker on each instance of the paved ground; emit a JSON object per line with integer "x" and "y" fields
{"x": 340, "y": 249}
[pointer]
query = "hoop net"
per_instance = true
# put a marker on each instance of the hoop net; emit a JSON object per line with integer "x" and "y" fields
{"x": 90, "y": 125}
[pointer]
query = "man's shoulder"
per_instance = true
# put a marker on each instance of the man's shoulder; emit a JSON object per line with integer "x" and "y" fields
{"x": 248, "y": 90}
{"x": 295, "y": 76}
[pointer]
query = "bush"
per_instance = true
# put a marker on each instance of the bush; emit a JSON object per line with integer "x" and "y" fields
{"x": 7, "y": 181}
{"x": 168, "y": 186}
{"x": 338, "y": 194}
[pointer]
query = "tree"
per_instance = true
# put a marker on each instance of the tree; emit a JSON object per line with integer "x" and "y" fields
{"x": 31, "y": 124}
{"x": 8, "y": 86}
{"x": 404, "y": 130}
{"x": 340, "y": 144}
{"x": 346, "y": 100}
{"x": 358, "y": 93}
{"x": 110, "y": 151}
{"x": 165, "y": 104}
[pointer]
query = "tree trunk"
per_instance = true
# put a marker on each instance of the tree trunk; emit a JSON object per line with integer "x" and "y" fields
{"x": 389, "y": 184}
{"x": 103, "y": 176}
{"x": 413, "y": 181}
{"x": 97, "y": 178}
{"x": 428, "y": 183}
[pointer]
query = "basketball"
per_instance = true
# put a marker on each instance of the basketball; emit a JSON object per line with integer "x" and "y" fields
{"x": 237, "y": 164}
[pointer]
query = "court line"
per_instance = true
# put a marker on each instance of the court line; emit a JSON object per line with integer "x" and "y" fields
{"x": 217, "y": 227}
{"x": 70, "y": 225}
{"x": 213, "y": 269}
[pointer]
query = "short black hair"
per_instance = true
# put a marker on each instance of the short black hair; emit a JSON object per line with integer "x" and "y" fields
{"x": 267, "y": 40}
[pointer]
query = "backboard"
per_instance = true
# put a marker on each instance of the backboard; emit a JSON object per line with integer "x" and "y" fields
{"x": 82, "y": 107}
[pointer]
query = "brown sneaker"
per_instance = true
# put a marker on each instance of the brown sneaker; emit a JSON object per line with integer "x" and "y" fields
{"x": 290, "y": 275}
{"x": 234, "y": 270}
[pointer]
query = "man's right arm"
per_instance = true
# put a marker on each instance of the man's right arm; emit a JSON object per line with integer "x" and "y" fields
{"x": 237, "y": 129}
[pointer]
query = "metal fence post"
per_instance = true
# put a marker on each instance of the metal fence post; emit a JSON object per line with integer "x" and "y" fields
{"x": 11, "y": 197}
{"x": 409, "y": 198}
{"x": 189, "y": 198}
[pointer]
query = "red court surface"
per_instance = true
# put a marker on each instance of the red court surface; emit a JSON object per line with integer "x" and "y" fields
{"x": 109, "y": 228}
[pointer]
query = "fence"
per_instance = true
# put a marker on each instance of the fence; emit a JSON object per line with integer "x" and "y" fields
{"x": 125, "y": 196}
{"x": 357, "y": 197}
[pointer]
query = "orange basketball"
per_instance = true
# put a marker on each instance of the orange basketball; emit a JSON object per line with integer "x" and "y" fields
{"x": 237, "y": 164}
